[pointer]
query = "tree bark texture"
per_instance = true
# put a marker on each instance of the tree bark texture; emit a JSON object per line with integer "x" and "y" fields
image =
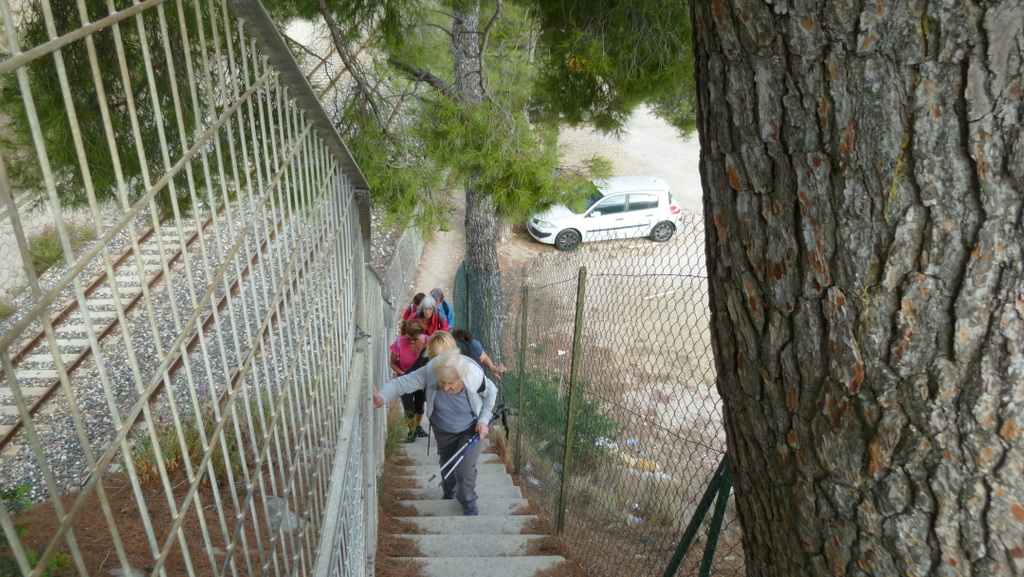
{"x": 481, "y": 220}
{"x": 863, "y": 168}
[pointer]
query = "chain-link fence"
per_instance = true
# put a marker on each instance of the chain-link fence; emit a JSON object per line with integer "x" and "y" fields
{"x": 402, "y": 269}
{"x": 185, "y": 389}
{"x": 611, "y": 342}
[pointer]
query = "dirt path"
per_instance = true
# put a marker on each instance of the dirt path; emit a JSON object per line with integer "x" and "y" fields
{"x": 442, "y": 256}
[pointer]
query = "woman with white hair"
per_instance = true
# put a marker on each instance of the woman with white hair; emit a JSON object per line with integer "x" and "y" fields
{"x": 459, "y": 404}
{"x": 428, "y": 314}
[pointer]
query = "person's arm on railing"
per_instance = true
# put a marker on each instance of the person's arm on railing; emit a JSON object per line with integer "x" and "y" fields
{"x": 496, "y": 369}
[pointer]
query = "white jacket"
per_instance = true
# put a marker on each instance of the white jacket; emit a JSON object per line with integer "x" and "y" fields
{"x": 481, "y": 403}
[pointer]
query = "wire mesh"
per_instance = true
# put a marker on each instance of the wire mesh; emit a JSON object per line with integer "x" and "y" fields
{"x": 647, "y": 434}
{"x": 198, "y": 379}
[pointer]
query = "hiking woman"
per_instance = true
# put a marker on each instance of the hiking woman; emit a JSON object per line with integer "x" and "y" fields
{"x": 459, "y": 404}
{"x": 407, "y": 349}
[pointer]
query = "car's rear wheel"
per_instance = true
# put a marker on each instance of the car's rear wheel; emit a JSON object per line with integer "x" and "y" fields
{"x": 662, "y": 231}
{"x": 567, "y": 240}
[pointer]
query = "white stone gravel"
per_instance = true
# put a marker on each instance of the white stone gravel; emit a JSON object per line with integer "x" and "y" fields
{"x": 100, "y": 406}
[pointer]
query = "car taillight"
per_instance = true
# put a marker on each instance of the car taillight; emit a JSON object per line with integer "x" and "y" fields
{"x": 673, "y": 209}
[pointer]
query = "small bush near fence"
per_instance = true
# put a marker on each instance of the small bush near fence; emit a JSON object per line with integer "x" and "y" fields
{"x": 16, "y": 502}
{"x": 226, "y": 457}
{"x": 6, "y": 310}
{"x": 46, "y": 250}
{"x": 544, "y": 400}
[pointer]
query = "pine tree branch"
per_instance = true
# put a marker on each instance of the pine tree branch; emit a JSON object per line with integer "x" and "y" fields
{"x": 487, "y": 29}
{"x": 422, "y": 75}
{"x": 367, "y": 94}
{"x": 302, "y": 47}
{"x": 486, "y": 36}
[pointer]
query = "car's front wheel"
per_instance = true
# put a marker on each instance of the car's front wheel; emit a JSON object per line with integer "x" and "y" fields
{"x": 662, "y": 231}
{"x": 567, "y": 240}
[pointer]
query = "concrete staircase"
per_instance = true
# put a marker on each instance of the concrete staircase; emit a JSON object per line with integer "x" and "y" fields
{"x": 453, "y": 545}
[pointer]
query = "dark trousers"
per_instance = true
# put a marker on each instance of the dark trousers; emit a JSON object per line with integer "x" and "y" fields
{"x": 462, "y": 481}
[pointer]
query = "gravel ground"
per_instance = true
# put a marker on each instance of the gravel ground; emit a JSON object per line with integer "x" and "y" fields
{"x": 130, "y": 357}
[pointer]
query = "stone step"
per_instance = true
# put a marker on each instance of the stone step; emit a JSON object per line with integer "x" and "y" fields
{"x": 454, "y": 545}
{"x": 474, "y": 546}
{"x": 480, "y": 525}
{"x": 416, "y": 453}
{"x": 414, "y": 469}
{"x": 490, "y": 492}
{"x": 488, "y": 506}
{"x": 486, "y": 476}
{"x": 432, "y": 461}
{"x": 483, "y": 566}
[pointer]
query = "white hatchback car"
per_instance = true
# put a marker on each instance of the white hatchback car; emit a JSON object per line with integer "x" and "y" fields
{"x": 623, "y": 207}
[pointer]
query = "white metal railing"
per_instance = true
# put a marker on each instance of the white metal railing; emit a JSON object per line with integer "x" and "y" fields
{"x": 200, "y": 408}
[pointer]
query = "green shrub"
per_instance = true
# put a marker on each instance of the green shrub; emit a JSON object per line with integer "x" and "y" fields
{"x": 6, "y": 310}
{"x": 543, "y": 418}
{"x": 225, "y": 456}
{"x": 46, "y": 250}
{"x": 16, "y": 503}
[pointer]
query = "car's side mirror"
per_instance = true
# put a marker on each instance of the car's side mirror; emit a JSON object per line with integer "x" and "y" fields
{"x": 595, "y": 213}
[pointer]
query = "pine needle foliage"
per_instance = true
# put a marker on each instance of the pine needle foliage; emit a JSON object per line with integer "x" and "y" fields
{"x": 498, "y": 150}
{"x": 603, "y": 58}
{"x": 118, "y": 161}
{"x": 435, "y": 143}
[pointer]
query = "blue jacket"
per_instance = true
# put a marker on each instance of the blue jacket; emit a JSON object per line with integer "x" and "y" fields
{"x": 448, "y": 312}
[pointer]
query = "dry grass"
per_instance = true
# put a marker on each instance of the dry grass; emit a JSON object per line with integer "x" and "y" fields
{"x": 550, "y": 545}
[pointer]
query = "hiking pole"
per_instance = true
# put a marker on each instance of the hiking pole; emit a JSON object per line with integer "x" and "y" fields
{"x": 501, "y": 410}
{"x": 461, "y": 453}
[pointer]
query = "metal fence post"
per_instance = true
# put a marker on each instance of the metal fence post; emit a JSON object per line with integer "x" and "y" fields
{"x": 716, "y": 521}
{"x": 718, "y": 488}
{"x": 525, "y": 304}
{"x": 570, "y": 412}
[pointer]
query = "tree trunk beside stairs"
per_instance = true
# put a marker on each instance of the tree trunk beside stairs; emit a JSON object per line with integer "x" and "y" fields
{"x": 485, "y": 300}
{"x": 863, "y": 168}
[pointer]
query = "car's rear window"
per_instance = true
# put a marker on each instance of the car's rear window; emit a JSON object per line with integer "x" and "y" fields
{"x": 643, "y": 201}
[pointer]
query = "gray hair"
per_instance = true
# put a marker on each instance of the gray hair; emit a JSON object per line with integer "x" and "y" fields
{"x": 450, "y": 364}
{"x": 437, "y": 294}
{"x": 428, "y": 302}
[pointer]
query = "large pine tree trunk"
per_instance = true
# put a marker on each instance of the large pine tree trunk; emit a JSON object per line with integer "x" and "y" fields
{"x": 863, "y": 166}
{"x": 481, "y": 221}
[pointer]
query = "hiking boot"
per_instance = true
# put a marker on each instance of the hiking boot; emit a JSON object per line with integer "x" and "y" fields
{"x": 470, "y": 510}
{"x": 448, "y": 496}
{"x": 421, "y": 433}
{"x": 411, "y": 437}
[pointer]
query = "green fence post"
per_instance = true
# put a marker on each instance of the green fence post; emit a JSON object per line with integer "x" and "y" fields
{"x": 570, "y": 411}
{"x": 716, "y": 521}
{"x": 698, "y": 516}
{"x": 522, "y": 380}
